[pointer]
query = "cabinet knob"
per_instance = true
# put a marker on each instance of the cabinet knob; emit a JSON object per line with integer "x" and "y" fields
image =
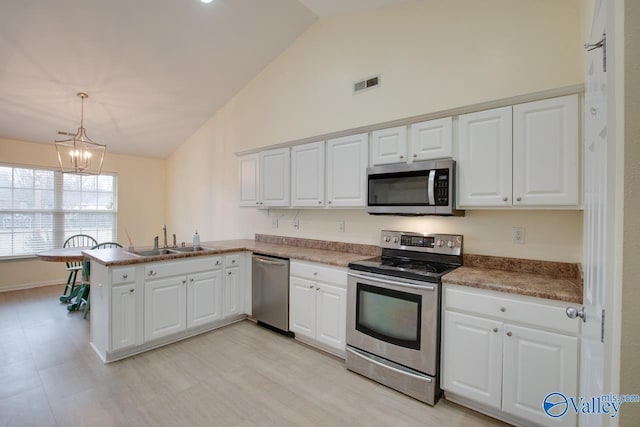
{"x": 310, "y": 286}
{"x": 573, "y": 313}
{"x": 218, "y": 262}
{"x": 315, "y": 273}
{"x": 329, "y": 202}
{"x": 257, "y": 203}
{"x": 151, "y": 273}
{"x": 229, "y": 273}
{"x": 233, "y": 261}
{"x": 131, "y": 290}
{"x": 503, "y": 309}
{"x": 495, "y": 329}
{"x": 402, "y": 157}
{"x": 184, "y": 281}
{"x": 124, "y": 276}
{"x": 519, "y": 199}
{"x": 317, "y": 288}
{"x": 415, "y": 155}
{"x": 506, "y": 199}
{"x": 191, "y": 280}
{"x": 319, "y": 202}
{"x": 509, "y": 334}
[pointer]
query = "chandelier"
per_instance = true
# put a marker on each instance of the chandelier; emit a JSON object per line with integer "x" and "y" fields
{"x": 79, "y": 154}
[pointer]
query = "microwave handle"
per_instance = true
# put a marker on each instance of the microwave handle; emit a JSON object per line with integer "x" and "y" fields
{"x": 431, "y": 187}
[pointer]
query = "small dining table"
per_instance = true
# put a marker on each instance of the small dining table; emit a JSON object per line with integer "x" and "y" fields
{"x": 67, "y": 255}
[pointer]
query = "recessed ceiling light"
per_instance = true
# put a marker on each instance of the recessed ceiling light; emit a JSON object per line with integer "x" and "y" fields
{"x": 206, "y": 1}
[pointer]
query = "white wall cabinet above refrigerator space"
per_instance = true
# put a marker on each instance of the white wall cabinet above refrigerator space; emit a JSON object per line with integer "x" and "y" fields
{"x": 265, "y": 178}
{"x": 428, "y": 140}
{"x": 526, "y": 155}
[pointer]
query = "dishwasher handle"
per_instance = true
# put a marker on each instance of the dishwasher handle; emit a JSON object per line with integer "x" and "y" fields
{"x": 269, "y": 262}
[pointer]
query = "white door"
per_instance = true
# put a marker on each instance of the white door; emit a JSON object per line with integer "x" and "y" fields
{"x": 331, "y": 313}
{"x": 232, "y": 292}
{"x": 248, "y": 171}
{"x": 307, "y": 175}
{"x": 389, "y": 146}
{"x": 302, "y": 307}
{"x": 535, "y": 364}
{"x": 165, "y": 307}
{"x": 347, "y": 159}
{"x": 432, "y": 139}
{"x": 274, "y": 177}
{"x": 204, "y": 298}
{"x": 123, "y": 316}
{"x": 598, "y": 217}
{"x": 473, "y": 366}
{"x": 484, "y": 158}
{"x": 546, "y": 152}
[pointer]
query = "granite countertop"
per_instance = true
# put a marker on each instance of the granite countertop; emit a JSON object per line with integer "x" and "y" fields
{"x": 331, "y": 253}
{"x": 541, "y": 279}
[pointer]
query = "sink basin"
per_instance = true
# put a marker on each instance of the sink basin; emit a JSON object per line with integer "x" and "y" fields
{"x": 189, "y": 249}
{"x": 153, "y": 252}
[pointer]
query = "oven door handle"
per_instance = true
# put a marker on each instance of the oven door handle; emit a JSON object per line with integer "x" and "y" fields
{"x": 385, "y": 366}
{"x": 393, "y": 282}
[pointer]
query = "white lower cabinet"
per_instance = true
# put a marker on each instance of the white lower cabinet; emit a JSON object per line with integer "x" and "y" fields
{"x": 204, "y": 298}
{"x": 165, "y": 309}
{"x": 123, "y": 316}
{"x": 233, "y": 302}
{"x": 318, "y": 304}
{"x": 507, "y": 353}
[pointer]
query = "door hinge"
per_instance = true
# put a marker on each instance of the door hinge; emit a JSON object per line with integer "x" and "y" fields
{"x": 600, "y": 44}
{"x": 602, "y": 327}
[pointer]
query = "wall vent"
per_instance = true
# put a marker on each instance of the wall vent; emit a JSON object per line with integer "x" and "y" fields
{"x": 366, "y": 84}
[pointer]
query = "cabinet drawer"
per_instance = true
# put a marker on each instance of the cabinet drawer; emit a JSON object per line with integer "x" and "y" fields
{"x": 175, "y": 268}
{"x": 319, "y": 272}
{"x": 123, "y": 275}
{"x": 232, "y": 260}
{"x": 538, "y": 312}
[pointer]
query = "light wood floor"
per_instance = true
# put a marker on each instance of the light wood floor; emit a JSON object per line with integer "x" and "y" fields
{"x": 240, "y": 375}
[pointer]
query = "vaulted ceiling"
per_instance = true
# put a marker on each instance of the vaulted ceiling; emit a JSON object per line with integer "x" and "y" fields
{"x": 155, "y": 70}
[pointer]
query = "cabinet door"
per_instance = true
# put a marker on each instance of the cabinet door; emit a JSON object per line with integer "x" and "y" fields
{"x": 204, "y": 298}
{"x": 248, "y": 171}
{"x": 537, "y": 363}
{"x": 123, "y": 316}
{"x": 232, "y": 292}
{"x": 389, "y": 146}
{"x": 302, "y": 306}
{"x": 347, "y": 171}
{"x": 274, "y": 177}
{"x": 432, "y": 139}
{"x": 484, "y": 158}
{"x": 546, "y": 152}
{"x": 165, "y": 307}
{"x": 472, "y": 358}
{"x": 331, "y": 314}
{"x": 307, "y": 175}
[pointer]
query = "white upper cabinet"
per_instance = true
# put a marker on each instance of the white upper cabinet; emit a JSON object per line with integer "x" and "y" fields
{"x": 307, "y": 175}
{"x": 432, "y": 139}
{"x": 545, "y": 152}
{"x": 274, "y": 178}
{"x": 248, "y": 171}
{"x": 526, "y": 155}
{"x": 484, "y": 158}
{"x": 347, "y": 171}
{"x": 389, "y": 146}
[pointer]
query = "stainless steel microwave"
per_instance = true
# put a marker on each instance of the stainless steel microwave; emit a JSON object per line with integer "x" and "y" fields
{"x": 418, "y": 188}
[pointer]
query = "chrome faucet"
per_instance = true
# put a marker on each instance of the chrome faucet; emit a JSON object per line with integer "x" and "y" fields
{"x": 164, "y": 231}
{"x": 175, "y": 244}
{"x": 155, "y": 242}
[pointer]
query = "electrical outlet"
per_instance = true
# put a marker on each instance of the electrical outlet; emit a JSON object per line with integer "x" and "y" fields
{"x": 341, "y": 226}
{"x": 296, "y": 223}
{"x": 274, "y": 223}
{"x": 517, "y": 235}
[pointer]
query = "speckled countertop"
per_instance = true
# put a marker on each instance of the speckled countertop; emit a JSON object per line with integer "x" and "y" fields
{"x": 542, "y": 279}
{"x": 331, "y": 253}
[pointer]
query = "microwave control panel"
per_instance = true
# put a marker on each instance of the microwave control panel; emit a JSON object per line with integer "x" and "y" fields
{"x": 441, "y": 189}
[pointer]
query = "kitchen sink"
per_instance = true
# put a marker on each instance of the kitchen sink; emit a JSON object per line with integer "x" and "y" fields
{"x": 153, "y": 252}
{"x": 189, "y": 249}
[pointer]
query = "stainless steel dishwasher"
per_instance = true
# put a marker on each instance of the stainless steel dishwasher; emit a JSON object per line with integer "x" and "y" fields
{"x": 270, "y": 291}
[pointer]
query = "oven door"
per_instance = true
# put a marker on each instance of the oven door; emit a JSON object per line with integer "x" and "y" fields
{"x": 393, "y": 318}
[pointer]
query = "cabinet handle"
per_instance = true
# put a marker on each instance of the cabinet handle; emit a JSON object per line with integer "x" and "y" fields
{"x": 124, "y": 276}
{"x": 506, "y": 199}
{"x": 519, "y": 199}
{"x": 509, "y": 334}
{"x": 131, "y": 290}
{"x": 495, "y": 329}
{"x": 502, "y": 309}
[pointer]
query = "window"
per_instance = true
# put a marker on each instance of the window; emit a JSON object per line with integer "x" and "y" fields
{"x": 40, "y": 208}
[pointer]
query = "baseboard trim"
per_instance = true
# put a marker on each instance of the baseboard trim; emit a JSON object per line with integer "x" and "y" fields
{"x": 30, "y": 285}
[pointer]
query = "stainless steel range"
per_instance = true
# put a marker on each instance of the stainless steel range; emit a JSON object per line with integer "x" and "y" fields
{"x": 393, "y": 311}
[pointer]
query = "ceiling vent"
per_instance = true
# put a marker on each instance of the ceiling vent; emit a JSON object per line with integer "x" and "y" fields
{"x": 366, "y": 84}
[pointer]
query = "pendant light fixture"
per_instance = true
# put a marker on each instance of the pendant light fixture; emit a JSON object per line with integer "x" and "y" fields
{"x": 79, "y": 154}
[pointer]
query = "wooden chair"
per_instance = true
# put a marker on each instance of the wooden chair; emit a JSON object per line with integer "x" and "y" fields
{"x": 83, "y": 293}
{"x": 75, "y": 241}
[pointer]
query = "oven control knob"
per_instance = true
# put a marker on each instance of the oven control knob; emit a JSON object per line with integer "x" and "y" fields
{"x": 440, "y": 243}
{"x": 396, "y": 240}
{"x": 387, "y": 239}
{"x": 451, "y": 244}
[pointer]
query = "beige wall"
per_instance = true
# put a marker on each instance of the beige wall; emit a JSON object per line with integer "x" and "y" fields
{"x": 141, "y": 205}
{"x": 630, "y": 339}
{"x": 431, "y": 56}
